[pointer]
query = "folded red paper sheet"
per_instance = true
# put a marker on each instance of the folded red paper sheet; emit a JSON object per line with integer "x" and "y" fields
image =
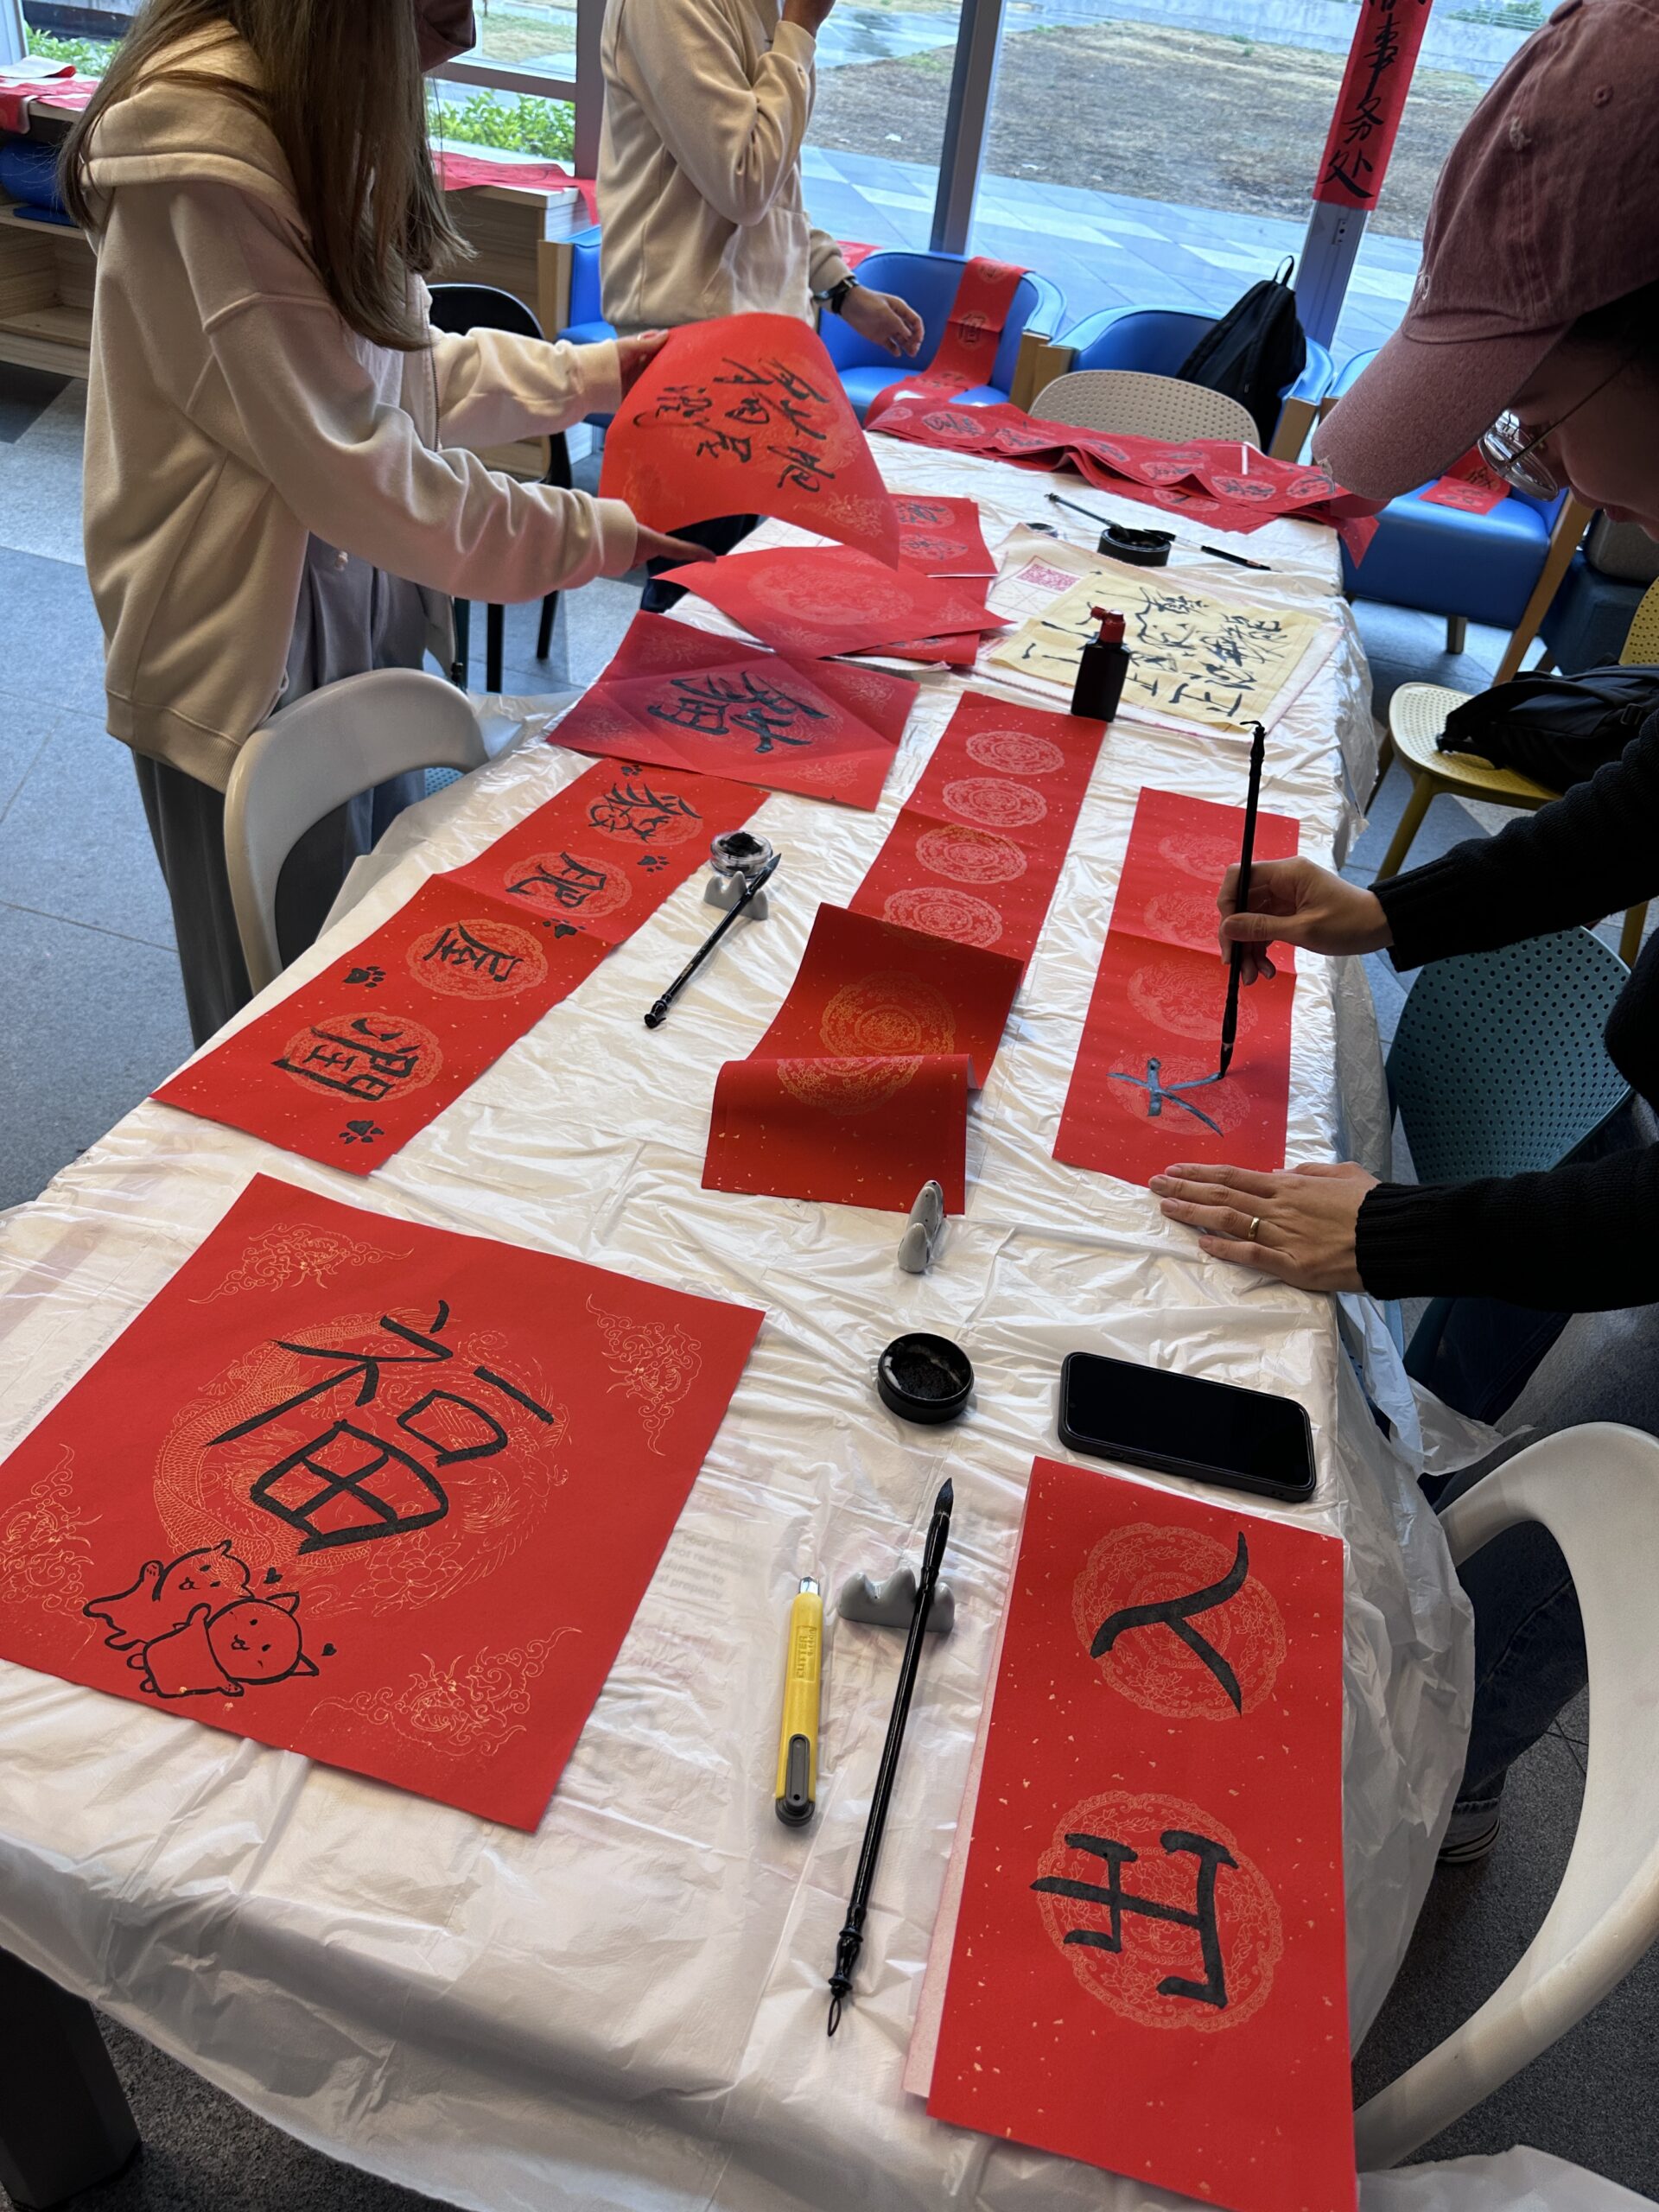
{"x": 942, "y": 537}
{"x": 349, "y": 1067}
{"x": 1470, "y": 484}
{"x": 859, "y": 1090}
{"x": 383, "y": 1494}
{"x": 1220, "y": 482}
{"x": 977, "y": 848}
{"x": 1147, "y": 1967}
{"x": 675, "y": 698}
{"x": 1154, "y": 1019}
{"x": 973, "y": 333}
{"x": 827, "y": 599}
{"x": 746, "y": 414}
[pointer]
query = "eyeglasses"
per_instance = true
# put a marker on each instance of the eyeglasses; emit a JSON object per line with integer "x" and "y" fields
{"x": 1511, "y": 451}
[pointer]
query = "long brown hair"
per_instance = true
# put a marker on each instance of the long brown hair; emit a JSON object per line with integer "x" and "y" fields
{"x": 340, "y": 89}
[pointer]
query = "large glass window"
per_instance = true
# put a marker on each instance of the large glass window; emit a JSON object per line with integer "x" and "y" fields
{"x": 871, "y": 166}
{"x": 85, "y": 33}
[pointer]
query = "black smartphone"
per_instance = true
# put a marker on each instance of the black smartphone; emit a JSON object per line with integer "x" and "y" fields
{"x": 1181, "y": 1424}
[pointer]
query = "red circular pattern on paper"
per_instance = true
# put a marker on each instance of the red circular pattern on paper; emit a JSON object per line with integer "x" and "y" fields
{"x": 476, "y": 975}
{"x": 994, "y": 803}
{"x": 949, "y": 422}
{"x": 1145, "y": 1563}
{"x": 850, "y": 1084}
{"x": 789, "y": 592}
{"x": 936, "y": 912}
{"x": 337, "y": 1031}
{"x": 593, "y": 906}
{"x": 886, "y": 1014}
{"x": 1198, "y": 854}
{"x": 1012, "y": 752}
{"x": 966, "y": 855}
{"x": 1183, "y": 918}
{"x": 1169, "y": 995}
{"x": 1126, "y": 1981}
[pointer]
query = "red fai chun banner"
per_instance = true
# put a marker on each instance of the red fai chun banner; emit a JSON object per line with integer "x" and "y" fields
{"x": 1374, "y": 88}
{"x": 377, "y": 1493}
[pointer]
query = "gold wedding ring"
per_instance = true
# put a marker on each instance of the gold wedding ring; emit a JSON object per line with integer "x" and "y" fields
{"x": 1255, "y": 1229}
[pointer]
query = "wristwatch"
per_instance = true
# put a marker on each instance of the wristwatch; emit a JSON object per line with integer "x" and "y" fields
{"x": 836, "y": 298}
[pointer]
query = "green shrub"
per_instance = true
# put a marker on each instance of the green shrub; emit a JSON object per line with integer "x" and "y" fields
{"x": 90, "y": 55}
{"x": 521, "y": 126}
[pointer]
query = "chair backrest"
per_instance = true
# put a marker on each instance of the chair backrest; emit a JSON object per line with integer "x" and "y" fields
{"x": 928, "y": 281}
{"x": 585, "y": 298}
{"x": 461, "y": 308}
{"x": 312, "y": 758}
{"x": 1158, "y": 340}
{"x": 1498, "y": 1067}
{"x": 1642, "y": 640}
{"x": 1596, "y": 1490}
{"x": 1142, "y": 406}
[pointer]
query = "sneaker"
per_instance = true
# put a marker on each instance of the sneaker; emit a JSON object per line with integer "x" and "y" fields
{"x": 1470, "y": 1837}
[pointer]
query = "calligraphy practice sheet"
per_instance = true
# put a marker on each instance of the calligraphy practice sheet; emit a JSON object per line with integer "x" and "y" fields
{"x": 1388, "y": 38}
{"x": 826, "y": 599}
{"x": 858, "y": 1092}
{"x": 746, "y": 414}
{"x": 1154, "y": 1019}
{"x": 383, "y": 1494}
{"x": 942, "y": 537}
{"x": 978, "y": 846}
{"x": 1218, "y": 481}
{"x": 1146, "y": 1965}
{"x": 675, "y": 698}
{"x": 1469, "y": 485}
{"x": 1200, "y": 658}
{"x": 973, "y": 334}
{"x": 350, "y": 1066}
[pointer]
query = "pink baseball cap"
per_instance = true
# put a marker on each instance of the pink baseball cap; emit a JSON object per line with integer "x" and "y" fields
{"x": 1543, "y": 211}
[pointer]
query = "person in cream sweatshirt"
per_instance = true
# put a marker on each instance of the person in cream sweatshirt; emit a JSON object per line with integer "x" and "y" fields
{"x": 273, "y": 501}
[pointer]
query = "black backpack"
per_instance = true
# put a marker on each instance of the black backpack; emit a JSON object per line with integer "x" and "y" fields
{"x": 1557, "y": 730}
{"x": 1254, "y": 351}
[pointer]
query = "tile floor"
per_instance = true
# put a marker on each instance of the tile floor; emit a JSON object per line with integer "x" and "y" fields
{"x": 92, "y": 1017}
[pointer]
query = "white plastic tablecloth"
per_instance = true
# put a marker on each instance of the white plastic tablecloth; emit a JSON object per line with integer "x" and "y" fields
{"x": 626, "y": 2009}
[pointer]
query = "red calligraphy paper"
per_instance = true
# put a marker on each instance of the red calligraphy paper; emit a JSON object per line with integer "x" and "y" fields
{"x": 1148, "y": 1965}
{"x": 1381, "y": 60}
{"x": 1221, "y": 483}
{"x": 977, "y": 848}
{"x": 461, "y": 172}
{"x": 349, "y": 1067}
{"x": 746, "y": 414}
{"x": 973, "y": 332}
{"x": 1154, "y": 1019}
{"x": 942, "y": 537}
{"x": 859, "y": 1090}
{"x": 1470, "y": 486}
{"x": 814, "y": 600}
{"x": 940, "y": 652}
{"x": 380, "y": 1494}
{"x": 675, "y": 698}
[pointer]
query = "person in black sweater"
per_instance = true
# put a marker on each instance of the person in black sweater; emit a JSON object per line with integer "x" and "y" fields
{"x": 1534, "y": 330}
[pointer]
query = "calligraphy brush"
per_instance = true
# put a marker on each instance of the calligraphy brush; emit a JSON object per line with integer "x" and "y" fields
{"x": 850, "y": 1941}
{"x": 659, "y": 1013}
{"x": 1242, "y": 897}
{"x": 1216, "y": 552}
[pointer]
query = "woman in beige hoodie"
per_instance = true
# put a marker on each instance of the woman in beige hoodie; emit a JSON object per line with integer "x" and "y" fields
{"x": 278, "y": 492}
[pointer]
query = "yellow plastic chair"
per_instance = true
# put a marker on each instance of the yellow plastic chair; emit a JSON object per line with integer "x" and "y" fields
{"x": 1417, "y": 715}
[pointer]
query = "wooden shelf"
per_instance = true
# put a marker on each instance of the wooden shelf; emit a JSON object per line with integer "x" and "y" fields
{"x": 46, "y": 295}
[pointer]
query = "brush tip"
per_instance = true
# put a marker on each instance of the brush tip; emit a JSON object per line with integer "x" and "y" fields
{"x": 947, "y": 1496}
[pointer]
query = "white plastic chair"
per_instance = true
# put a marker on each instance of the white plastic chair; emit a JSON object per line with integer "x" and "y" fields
{"x": 312, "y": 758}
{"x": 1596, "y": 1490}
{"x": 1139, "y": 406}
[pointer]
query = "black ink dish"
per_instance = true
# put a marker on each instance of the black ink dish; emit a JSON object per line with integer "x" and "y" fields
{"x": 923, "y": 1378}
{"x": 1139, "y": 549}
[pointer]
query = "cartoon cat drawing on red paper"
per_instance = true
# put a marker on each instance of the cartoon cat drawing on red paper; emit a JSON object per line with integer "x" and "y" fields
{"x": 192, "y": 1629}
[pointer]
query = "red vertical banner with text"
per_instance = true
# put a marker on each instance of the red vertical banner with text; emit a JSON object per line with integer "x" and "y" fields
{"x": 1387, "y": 40}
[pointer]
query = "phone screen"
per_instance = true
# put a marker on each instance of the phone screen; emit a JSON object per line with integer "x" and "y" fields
{"x": 1182, "y": 1424}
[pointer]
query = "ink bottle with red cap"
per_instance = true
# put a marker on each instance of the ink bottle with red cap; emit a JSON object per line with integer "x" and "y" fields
{"x": 1101, "y": 672}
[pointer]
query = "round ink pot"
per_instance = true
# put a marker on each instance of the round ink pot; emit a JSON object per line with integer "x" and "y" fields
{"x": 923, "y": 1378}
{"x": 1139, "y": 549}
{"x": 739, "y": 852}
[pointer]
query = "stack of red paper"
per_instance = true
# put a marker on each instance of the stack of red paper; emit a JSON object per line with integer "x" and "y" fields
{"x": 827, "y": 599}
{"x": 1222, "y": 482}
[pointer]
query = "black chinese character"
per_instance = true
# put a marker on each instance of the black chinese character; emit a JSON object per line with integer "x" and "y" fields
{"x": 1176, "y": 1615}
{"x": 458, "y": 948}
{"x": 570, "y": 885}
{"x": 363, "y": 1059}
{"x": 635, "y": 810}
{"x": 1116, "y": 1901}
{"x": 801, "y": 468}
{"x": 714, "y": 706}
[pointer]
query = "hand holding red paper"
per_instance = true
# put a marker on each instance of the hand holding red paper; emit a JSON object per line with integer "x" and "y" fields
{"x": 1304, "y": 1219}
{"x": 746, "y": 414}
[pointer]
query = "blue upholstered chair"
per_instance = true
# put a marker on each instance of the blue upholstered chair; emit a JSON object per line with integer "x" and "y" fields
{"x": 1501, "y": 569}
{"x": 928, "y": 281}
{"x": 1158, "y": 339}
{"x": 587, "y": 325}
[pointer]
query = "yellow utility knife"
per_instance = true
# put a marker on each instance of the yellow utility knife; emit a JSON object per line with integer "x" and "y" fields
{"x": 797, "y": 1736}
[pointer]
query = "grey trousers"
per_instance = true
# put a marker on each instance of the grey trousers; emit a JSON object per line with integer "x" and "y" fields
{"x": 351, "y": 618}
